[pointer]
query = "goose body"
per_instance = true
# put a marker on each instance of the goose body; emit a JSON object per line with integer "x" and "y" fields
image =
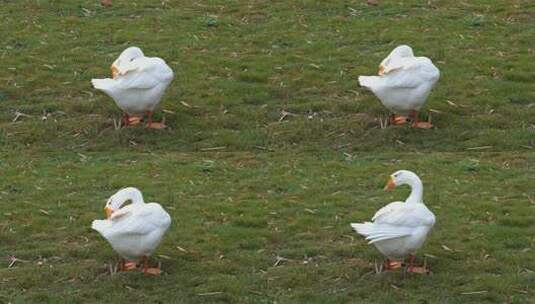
{"x": 138, "y": 82}
{"x": 400, "y": 228}
{"x": 404, "y": 81}
{"x": 134, "y": 231}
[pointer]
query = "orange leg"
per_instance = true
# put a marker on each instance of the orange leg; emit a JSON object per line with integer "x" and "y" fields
{"x": 154, "y": 125}
{"x": 413, "y": 116}
{"x": 411, "y": 263}
{"x": 145, "y": 262}
{"x": 124, "y": 120}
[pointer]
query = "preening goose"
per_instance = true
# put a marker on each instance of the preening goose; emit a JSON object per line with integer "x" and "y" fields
{"x": 135, "y": 230}
{"x": 137, "y": 86}
{"x": 403, "y": 85}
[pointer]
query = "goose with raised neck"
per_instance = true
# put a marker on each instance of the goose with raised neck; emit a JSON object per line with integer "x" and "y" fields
{"x": 399, "y": 229}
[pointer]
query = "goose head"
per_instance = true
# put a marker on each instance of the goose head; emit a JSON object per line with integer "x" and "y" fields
{"x": 401, "y": 177}
{"x": 402, "y": 51}
{"x": 126, "y": 56}
{"x": 406, "y": 177}
{"x": 115, "y": 202}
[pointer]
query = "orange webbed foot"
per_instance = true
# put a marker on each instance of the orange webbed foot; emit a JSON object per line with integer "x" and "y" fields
{"x": 127, "y": 265}
{"x": 134, "y": 120}
{"x": 128, "y": 120}
{"x": 391, "y": 265}
{"x": 416, "y": 123}
{"x": 420, "y": 270}
{"x": 153, "y": 271}
{"x": 422, "y": 125}
{"x": 156, "y": 125}
{"x": 397, "y": 120}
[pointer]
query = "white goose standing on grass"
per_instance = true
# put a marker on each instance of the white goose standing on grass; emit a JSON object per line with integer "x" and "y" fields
{"x": 137, "y": 86}
{"x": 135, "y": 230}
{"x": 403, "y": 85}
{"x": 399, "y": 229}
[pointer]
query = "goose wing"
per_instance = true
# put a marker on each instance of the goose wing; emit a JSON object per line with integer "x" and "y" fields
{"x": 144, "y": 73}
{"x": 402, "y": 214}
{"x": 139, "y": 220}
{"x": 411, "y": 72}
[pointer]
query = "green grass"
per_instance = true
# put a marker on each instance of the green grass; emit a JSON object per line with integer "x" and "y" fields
{"x": 271, "y": 188}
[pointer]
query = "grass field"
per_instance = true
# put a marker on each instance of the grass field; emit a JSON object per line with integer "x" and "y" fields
{"x": 261, "y": 203}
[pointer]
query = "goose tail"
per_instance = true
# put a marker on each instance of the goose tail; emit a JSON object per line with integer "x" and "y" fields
{"x": 100, "y": 225}
{"x": 103, "y": 84}
{"x": 363, "y": 229}
{"x": 368, "y": 81}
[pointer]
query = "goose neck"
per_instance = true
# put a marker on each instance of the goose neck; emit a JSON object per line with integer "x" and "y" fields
{"x": 129, "y": 194}
{"x": 417, "y": 190}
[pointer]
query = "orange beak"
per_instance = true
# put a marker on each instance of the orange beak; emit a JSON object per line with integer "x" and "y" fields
{"x": 390, "y": 184}
{"x": 108, "y": 212}
{"x": 381, "y": 70}
{"x": 114, "y": 71}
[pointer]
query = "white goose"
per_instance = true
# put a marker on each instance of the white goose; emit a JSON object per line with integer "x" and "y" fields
{"x": 137, "y": 86}
{"x": 403, "y": 84}
{"x": 399, "y": 229}
{"x": 134, "y": 231}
